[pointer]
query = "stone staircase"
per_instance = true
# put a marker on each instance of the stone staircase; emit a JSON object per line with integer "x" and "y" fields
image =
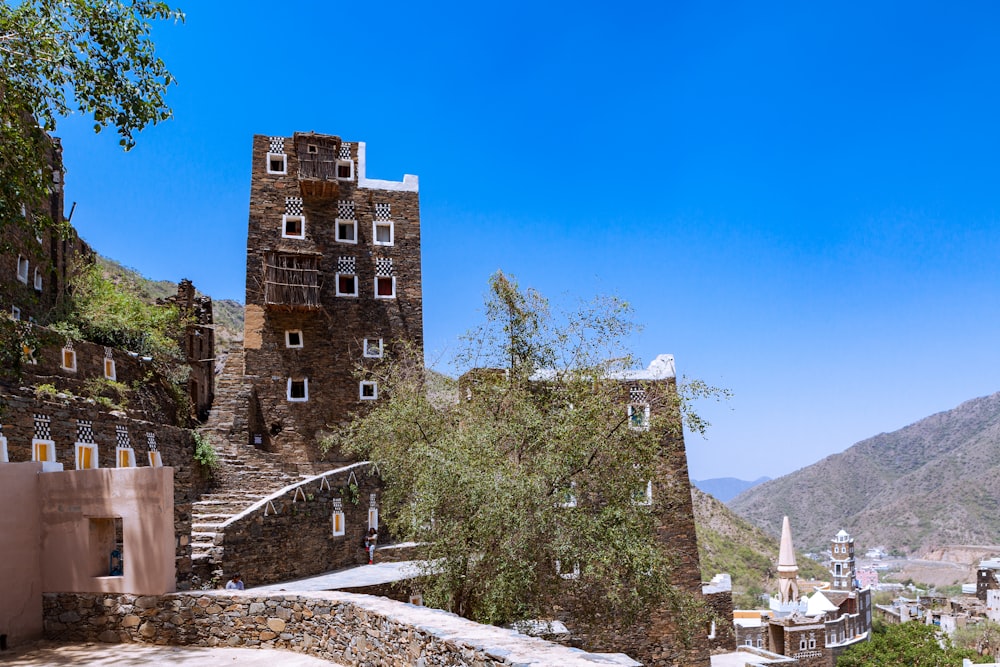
{"x": 244, "y": 475}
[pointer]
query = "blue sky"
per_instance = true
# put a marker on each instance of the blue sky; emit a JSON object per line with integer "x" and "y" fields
{"x": 800, "y": 201}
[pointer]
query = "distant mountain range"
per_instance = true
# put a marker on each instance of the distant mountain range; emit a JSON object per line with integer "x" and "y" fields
{"x": 935, "y": 482}
{"x": 726, "y": 488}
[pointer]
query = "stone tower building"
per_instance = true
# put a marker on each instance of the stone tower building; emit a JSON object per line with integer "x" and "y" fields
{"x": 843, "y": 567}
{"x": 333, "y": 284}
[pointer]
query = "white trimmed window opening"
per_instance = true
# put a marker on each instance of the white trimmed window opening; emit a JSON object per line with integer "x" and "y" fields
{"x": 368, "y": 390}
{"x": 109, "y": 369}
{"x": 385, "y": 287}
{"x": 383, "y": 232}
{"x": 155, "y": 460}
{"x": 347, "y": 231}
{"x": 568, "y": 574}
{"x": 638, "y": 417}
{"x": 373, "y": 348}
{"x": 298, "y": 390}
{"x": 15, "y": 313}
{"x": 293, "y": 226}
{"x": 125, "y": 456}
{"x": 22, "y": 269}
{"x": 43, "y": 450}
{"x": 293, "y": 338}
{"x": 277, "y": 163}
{"x": 347, "y": 284}
{"x": 86, "y": 456}
{"x": 338, "y": 523}
{"x": 69, "y": 359}
{"x": 644, "y": 496}
{"x": 38, "y": 279}
{"x": 345, "y": 170}
{"x": 373, "y": 517}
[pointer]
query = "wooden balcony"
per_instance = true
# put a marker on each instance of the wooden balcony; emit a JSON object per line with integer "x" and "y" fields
{"x": 291, "y": 281}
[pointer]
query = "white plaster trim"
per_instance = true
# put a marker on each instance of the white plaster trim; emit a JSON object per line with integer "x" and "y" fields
{"x": 130, "y": 463}
{"x": 51, "y": 449}
{"x": 410, "y": 183}
{"x": 361, "y": 390}
{"x": 373, "y": 348}
{"x": 3, "y": 450}
{"x": 288, "y": 339}
{"x": 290, "y": 488}
{"x": 80, "y": 446}
{"x": 341, "y": 221}
{"x": 305, "y": 390}
{"x": 155, "y": 460}
{"x": 284, "y": 161}
{"x": 385, "y": 296}
{"x": 373, "y": 517}
{"x": 62, "y": 360}
{"x": 343, "y": 527}
{"x": 110, "y": 364}
{"x": 284, "y": 226}
{"x": 392, "y": 232}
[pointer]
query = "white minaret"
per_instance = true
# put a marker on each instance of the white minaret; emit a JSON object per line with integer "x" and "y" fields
{"x": 788, "y": 570}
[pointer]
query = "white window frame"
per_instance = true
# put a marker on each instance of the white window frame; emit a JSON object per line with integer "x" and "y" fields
{"x": 305, "y": 390}
{"x": 110, "y": 371}
{"x": 155, "y": 460}
{"x": 338, "y": 514}
{"x": 644, "y": 426}
{"x": 354, "y": 230}
{"x": 392, "y": 232}
{"x": 385, "y": 296}
{"x": 22, "y": 269}
{"x": 373, "y": 348}
{"x": 361, "y": 390}
{"x": 569, "y": 497}
{"x": 284, "y": 163}
{"x": 15, "y": 313}
{"x": 337, "y": 284}
{"x": 288, "y": 338}
{"x": 284, "y": 226}
{"x": 571, "y": 574}
{"x": 50, "y": 450}
{"x": 339, "y": 164}
{"x": 38, "y": 279}
{"x": 3, "y": 450}
{"x": 373, "y": 517}
{"x": 79, "y": 448}
{"x": 647, "y": 497}
{"x": 62, "y": 359}
{"x": 129, "y": 457}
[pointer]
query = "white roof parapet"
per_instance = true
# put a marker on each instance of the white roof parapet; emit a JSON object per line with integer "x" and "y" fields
{"x": 410, "y": 183}
{"x": 660, "y": 368}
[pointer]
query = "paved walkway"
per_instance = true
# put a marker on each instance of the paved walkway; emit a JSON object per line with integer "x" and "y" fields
{"x": 43, "y": 654}
{"x": 353, "y": 577}
{"x": 737, "y": 659}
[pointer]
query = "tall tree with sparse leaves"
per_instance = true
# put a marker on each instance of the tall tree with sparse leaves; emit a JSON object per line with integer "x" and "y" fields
{"x": 62, "y": 56}
{"x": 536, "y": 472}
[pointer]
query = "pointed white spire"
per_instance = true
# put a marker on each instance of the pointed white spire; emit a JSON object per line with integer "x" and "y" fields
{"x": 788, "y": 570}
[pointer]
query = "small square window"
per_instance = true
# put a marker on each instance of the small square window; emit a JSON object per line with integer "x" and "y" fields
{"x": 86, "y": 456}
{"x": 109, "y": 369}
{"x": 385, "y": 287}
{"x": 368, "y": 390}
{"x": 312, "y": 149}
{"x": 293, "y": 226}
{"x": 277, "y": 163}
{"x": 383, "y": 233}
{"x": 338, "y": 523}
{"x": 43, "y": 450}
{"x": 69, "y": 359}
{"x": 38, "y": 279}
{"x": 22, "y": 269}
{"x": 15, "y": 313}
{"x": 644, "y": 496}
{"x": 638, "y": 417}
{"x": 569, "y": 574}
{"x": 347, "y": 231}
{"x": 347, "y": 284}
{"x": 293, "y": 338}
{"x": 345, "y": 170}
{"x": 373, "y": 348}
{"x": 298, "y": 389}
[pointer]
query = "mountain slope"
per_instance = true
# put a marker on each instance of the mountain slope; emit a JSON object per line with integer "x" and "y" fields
{"x": 726, "y": 488}
{"x": 727, "y": 543}
{"x": 931, "y": 483}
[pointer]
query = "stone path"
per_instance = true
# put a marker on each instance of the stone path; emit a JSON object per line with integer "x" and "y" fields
{"x": 129, "y": 655}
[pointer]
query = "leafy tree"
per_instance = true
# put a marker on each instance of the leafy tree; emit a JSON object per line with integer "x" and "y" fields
{"x": 537, "y": 471}
{"x": 983, "y": 638}
{"x": 60, "y": 56}
{"x": 906, "y": 645}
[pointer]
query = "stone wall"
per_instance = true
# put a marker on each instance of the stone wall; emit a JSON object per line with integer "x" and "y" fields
{"x": 720, "y": 605}
{"x": 330, "y": 350}
{"x": 342, "y": 627}
{"x": 289, "y": 535}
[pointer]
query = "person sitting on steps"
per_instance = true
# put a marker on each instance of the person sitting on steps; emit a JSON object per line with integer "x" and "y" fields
{"x": 236, "y": 583}
{"x": 370, "y": 540}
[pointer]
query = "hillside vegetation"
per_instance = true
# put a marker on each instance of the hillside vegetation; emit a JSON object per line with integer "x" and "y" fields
{"x": 728, "y": 543}
{"x": 932, "y": 483}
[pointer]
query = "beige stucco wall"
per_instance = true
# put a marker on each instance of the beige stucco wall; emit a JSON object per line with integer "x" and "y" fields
{"x": 72, "y": 501}
{"x": 20, "y": 552}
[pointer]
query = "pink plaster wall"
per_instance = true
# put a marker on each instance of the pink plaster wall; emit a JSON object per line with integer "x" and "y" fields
{"x": 20, "y": 553}
{"x": 142, "y": 497}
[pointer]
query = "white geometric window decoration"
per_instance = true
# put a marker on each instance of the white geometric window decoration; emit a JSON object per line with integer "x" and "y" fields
{"x": 638, "y": 417}
{"x": 68, "y": 358}
{"x": 346, "y": 222}
{"x": 368, "y": 390}
{"x": 346, "y": 277}
{"x": 338, "y": 517}
{"x": 373, "y": 348}
{"x": 15, "y": 313}
{"x": 22, "y": 269}
{"x": 277, "y": 163}
{"x": 382, "y": 230}
{"x": 155, "y": 460}
{"x": 293, "y": 338}
{"x": 276, "y": 144}
{"x": 298, "y": 390}
{"x": 85, "y": 431}
{"x": 38, "y": 279}
{"x": 385, "y": 281}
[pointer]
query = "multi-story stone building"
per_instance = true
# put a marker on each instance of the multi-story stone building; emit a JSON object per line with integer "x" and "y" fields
{"x": 843, "y": 567}
{"x": 333, "y": 284}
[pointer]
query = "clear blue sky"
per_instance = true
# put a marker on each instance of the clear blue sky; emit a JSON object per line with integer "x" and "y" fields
{"x": 800, "y": 200}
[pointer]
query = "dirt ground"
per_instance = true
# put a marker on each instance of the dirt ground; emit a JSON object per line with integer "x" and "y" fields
{"x": 44, "y": 653}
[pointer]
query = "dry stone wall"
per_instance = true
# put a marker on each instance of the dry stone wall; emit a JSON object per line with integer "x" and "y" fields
{"x": 343, "y": 627}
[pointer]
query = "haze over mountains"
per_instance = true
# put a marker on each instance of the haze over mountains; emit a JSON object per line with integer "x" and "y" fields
{"x": 932, "y": 483}
{"x": 726, "y": 488}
